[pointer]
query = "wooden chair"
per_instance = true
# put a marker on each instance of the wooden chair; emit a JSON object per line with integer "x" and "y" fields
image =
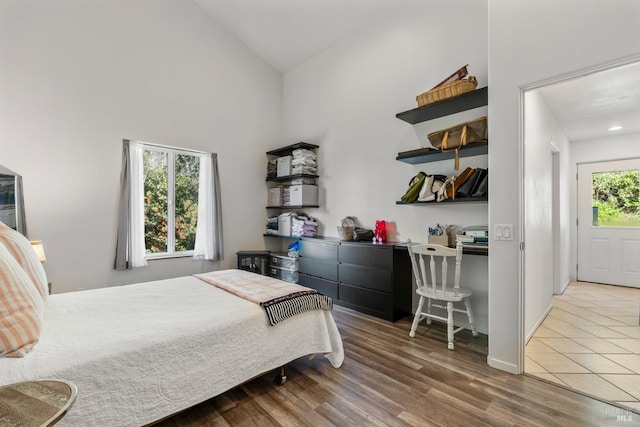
{"x": 429, "y": 289}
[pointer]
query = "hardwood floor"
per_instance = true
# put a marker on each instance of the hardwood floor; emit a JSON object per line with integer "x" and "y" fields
{"x": 389, "y": 379}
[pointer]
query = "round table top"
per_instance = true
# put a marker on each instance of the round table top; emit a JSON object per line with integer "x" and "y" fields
{"x": 35, "y": 403}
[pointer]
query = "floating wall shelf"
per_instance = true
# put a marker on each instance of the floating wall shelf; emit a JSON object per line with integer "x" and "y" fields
{"x": 425, "y": 155}
{"x": 466, "y": 101}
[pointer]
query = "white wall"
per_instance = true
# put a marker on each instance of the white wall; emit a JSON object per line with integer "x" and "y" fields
{"x": 596, "y": 150}
{"x": 541, "y": 129}
{"x": 79, "y": 76}
{"x": 346, "y": 99}
{"x": 530, "y": 42}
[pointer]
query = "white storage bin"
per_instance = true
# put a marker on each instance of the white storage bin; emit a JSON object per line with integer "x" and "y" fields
{"x": 303, "y": 195}
{"x": 284, "y": 224}
{"x": 274, "y": 197}
{"x": 284, "y": 166}
{"x": 284, "y": 274}
{"x": 281, "y": 260}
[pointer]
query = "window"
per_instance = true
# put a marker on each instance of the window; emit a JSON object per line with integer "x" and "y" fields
{"x": 170, "y": 205}
{"x": 616, "y": 198}
{"x": 171, "y": 182}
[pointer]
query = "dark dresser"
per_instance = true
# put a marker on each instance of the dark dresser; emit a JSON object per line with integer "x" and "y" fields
{"x": 371, "y": 278}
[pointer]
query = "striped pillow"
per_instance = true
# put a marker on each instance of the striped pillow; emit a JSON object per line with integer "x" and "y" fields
{"x": 21, "y": 308}
{"x": 21, "y": 249}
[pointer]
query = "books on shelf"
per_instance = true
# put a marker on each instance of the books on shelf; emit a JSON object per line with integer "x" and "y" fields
{"x": 464, "y": 238}
{"x": 477, "y": 231}
{"x": 474, "y": 236}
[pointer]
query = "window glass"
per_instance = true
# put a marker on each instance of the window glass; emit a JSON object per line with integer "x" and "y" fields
{"x": 186, "y": 215}
{"x": 615, "y": 198}
{"x": 170, "y": 200}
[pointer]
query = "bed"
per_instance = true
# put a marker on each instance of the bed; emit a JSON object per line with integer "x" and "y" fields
{"x": 139, "y": 353}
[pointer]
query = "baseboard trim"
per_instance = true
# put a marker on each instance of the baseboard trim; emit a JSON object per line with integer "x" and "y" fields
{"x": 564, "y": 288}
{"x": 503, "y": 366}
{"x": 538, "y": 323}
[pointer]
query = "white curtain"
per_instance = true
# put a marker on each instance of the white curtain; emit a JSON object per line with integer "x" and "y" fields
{"x": 136, "y": 206}
{"x": 209, "y": 230}
{"x": 130, "y": 247}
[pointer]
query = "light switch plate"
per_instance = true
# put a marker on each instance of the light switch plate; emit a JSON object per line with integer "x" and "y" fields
{"x": 503, "y": 232}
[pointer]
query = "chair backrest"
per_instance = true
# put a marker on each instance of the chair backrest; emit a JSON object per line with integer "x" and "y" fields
{"x": 419, "y": 251}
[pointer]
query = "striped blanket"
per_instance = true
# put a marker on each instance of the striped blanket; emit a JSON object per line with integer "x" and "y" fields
{"x": 280, "y": 299}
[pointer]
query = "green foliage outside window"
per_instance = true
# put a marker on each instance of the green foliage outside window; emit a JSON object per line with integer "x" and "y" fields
{"x": 156, "y": 218}
{"x": 187, "y": 178}
{"x": 616, "y": 195}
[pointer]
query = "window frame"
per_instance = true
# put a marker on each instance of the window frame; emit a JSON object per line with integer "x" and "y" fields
{"x": 171, "y": 152}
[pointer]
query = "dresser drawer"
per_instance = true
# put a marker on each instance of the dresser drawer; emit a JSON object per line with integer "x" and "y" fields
{"x": 368, "y": 301}
{"x": 365, "y": 277}
{"x": 367, "y": 254}
{"x": 317, "y": 268}
{"x": 326, "y": 251}
{"x": 325, "y": 287}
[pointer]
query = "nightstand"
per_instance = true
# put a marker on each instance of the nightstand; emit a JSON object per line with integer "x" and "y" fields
{"x": 35, "y": 403}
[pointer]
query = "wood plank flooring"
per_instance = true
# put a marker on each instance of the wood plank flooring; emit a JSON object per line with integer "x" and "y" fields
{"x": 389, "y": 379}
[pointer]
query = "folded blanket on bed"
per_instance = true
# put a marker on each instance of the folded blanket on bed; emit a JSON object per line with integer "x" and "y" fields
{"x": 280, "y": 299}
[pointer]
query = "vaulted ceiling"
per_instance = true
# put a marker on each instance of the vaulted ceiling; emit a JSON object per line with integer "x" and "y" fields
{"x": 287, "y": 33}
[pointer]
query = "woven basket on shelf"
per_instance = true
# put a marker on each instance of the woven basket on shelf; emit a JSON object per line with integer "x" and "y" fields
{"x": 455, "y": 88}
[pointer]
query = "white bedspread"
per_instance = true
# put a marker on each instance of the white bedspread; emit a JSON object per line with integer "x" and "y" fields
{"x": 140, "y": 352}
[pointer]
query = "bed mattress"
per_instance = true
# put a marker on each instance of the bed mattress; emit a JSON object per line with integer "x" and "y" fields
{"x": 141, "y": 352}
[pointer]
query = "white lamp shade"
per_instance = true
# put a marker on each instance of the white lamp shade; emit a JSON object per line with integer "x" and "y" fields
{"x": 38, "y": 248}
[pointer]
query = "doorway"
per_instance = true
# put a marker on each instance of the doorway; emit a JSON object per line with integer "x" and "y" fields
{"x": 609, "y": 222}
{"x": 575, "y": 112}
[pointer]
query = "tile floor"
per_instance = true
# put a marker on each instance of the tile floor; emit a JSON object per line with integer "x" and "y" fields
{"x": 590, "y": 341}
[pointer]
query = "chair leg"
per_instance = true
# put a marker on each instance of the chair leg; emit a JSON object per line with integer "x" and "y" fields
{"x": 429, "y": 311}
{"x": 467, "y": 304}
{"x": 450, "y": 325}
{"x": 416, "y": 318}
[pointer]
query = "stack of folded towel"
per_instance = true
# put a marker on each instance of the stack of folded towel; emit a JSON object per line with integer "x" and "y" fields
{"x": 304, "y": 226}
{"x": 304, "y": 161}
{"x": 272, "y": 225}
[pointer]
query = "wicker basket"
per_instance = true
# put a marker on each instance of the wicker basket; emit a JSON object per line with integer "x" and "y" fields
{"x": 455, "y": 88}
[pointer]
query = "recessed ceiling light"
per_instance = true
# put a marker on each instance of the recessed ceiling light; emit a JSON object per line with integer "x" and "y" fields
{"x": 617, "y": 127}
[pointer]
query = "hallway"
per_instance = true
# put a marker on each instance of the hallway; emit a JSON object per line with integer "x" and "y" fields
{"x": 590, "y": 341}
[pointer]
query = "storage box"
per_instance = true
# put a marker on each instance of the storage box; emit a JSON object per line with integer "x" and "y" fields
{"x": 254, "y": 261}
{"x": 438, "y": 240}
{"x": 274, "y": 197}
{"x": 284, "y": 224}
{"x": 284, "y": 166}
{"x": 303, "y": 195}
{"x": 284, "y": 274}
{"x": 281, "y": 260}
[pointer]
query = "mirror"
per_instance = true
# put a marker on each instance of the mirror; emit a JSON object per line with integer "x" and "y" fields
{"x": 11, "y": 200}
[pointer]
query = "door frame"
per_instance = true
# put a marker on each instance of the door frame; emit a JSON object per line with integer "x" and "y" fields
{"x": 521, "y": 173}
{"x": 555, "y": 215}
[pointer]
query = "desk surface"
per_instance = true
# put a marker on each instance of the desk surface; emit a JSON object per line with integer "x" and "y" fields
{"x": 466, "y": 250}
{"x": 35, "y": 403}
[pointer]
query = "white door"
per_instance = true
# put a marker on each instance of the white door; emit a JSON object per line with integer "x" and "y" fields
{"x": 609, "y": 222}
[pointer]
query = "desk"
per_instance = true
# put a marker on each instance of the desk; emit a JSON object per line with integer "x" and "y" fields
{"x": 35, "y": 403}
